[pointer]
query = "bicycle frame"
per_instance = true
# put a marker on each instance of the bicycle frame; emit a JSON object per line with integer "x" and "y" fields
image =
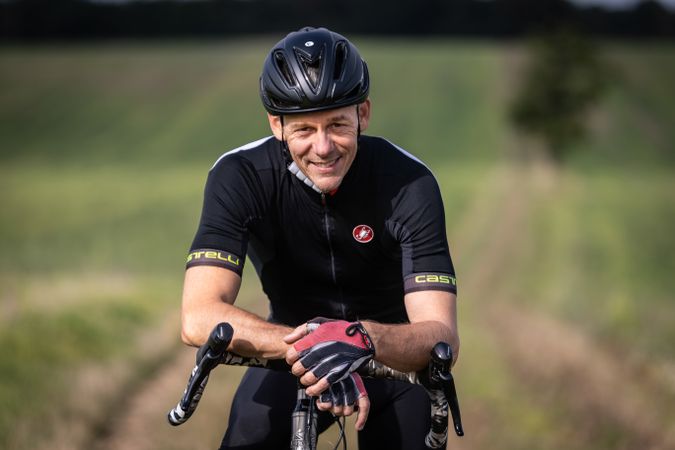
{"x": 304, "y": 420}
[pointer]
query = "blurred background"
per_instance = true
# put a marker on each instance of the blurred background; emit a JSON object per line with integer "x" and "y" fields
{"x": 549, "y": 125}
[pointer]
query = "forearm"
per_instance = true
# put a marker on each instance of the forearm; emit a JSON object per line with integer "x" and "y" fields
{"x": 407, "y": 347}
{"x": 209, "y": 294}
{"x": 253, "y": 336}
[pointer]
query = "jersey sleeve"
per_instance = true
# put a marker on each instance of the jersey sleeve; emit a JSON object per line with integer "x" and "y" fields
{"x": 230, "y": 204}
{"x": 419, "y": 226}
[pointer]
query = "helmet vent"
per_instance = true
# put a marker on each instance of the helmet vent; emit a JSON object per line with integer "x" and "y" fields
{"x": 340, "y": 56}
{"x": 285, "y": 71}
{"x": 312, "y": 70}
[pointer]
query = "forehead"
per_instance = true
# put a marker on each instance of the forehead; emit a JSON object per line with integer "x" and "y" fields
{"x": 344, "y": 113}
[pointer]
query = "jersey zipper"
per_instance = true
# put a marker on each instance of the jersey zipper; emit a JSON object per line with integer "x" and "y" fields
{"x": 326, "y": 218}
{"x": 330, "y": 244}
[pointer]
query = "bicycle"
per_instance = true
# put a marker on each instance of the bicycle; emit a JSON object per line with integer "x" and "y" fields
{"x": 437, "y": 380}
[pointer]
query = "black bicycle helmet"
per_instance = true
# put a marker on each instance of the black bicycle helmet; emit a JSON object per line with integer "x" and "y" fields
{"x": 313, "y": 69}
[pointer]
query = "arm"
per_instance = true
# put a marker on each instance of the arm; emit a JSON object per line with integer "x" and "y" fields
{"x": 209, "y": 293}
{"x": 430, "y": 285}
{"x": 406, "y": 347}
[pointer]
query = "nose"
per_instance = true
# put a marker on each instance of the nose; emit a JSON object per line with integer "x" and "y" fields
{"x": 323, "y": 146}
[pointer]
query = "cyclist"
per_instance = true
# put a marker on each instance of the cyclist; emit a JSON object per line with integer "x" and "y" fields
{"x": 339, "y": 226}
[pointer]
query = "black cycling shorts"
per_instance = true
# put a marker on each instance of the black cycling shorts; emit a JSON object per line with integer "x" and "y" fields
{"x": 260, "y": 417}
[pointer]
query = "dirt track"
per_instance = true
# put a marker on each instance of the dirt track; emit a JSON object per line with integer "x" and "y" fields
{"x": 559, "y": 362}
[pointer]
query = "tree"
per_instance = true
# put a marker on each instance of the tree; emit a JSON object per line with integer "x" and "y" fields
{"x": 564, "y": 79}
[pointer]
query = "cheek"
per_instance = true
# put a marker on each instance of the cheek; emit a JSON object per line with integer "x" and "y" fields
{"x": 349, "y": 150}
{"x": 346, "y": 144}
{"x": 297, "y": 149}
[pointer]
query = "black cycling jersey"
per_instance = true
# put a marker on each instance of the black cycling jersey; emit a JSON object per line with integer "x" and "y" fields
{"x": 351, "y": 254}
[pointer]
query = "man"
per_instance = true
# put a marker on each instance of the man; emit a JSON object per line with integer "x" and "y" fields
{"x": 339, "y": 226}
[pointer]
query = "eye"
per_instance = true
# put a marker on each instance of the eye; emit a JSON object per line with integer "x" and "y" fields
{"x": 302, "y": 130}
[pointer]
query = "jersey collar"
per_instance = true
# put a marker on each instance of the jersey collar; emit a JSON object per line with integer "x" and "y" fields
{"x": 295, "y": 170}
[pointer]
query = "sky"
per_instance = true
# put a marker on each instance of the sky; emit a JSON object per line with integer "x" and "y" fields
{"x": 620, "y": 4}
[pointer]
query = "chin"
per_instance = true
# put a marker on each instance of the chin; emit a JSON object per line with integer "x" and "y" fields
{"x": 328, "y": 185}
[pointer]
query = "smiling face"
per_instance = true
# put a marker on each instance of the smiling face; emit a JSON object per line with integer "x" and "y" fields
{"x": 323, "y": 144}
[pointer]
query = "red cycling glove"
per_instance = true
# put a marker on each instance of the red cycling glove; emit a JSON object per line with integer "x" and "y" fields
{"x": 334, "y": 348}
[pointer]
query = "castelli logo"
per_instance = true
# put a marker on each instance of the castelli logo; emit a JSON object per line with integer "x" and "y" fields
{"x": 363, "y": 233}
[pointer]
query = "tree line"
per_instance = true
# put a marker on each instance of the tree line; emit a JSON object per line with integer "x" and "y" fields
{"x": 81, "y": 19}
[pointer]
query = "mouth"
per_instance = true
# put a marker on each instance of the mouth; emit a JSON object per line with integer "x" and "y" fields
{"x": 326, "y": 166}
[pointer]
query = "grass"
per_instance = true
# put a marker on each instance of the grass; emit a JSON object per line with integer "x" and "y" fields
{"x": 601, "y": 258}
{"x": 450, "y": 122}
{"x": 61, "y": 324}
{"x": 159, "y": 104}
{"x": 104, "y": 152}
{"x": 104, "y": 218}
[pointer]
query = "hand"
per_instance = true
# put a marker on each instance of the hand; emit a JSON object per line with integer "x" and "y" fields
{"x": 326, "y": 351}
{"x": 345, "y": 397}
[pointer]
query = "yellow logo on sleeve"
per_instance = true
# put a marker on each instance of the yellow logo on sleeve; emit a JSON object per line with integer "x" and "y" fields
{"x": 433, "y": 278}
{"x": 199, "y": 256}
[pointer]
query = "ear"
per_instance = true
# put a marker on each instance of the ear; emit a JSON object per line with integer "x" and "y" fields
{"x": 275, "y": 125}
{"x": 364, "y": 114}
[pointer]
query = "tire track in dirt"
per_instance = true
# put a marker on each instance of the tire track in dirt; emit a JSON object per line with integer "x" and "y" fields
{"x": 596, "y": 385}
{"x": 599, "y": 388}
{"x": 142, "y": 424}
{"x": 478, "y": 247}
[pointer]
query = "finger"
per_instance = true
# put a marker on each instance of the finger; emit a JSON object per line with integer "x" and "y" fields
{"x": 323, "y": 406}
{"x": 291, "y": 355}
{"x": 337, "y": 410}
{"x": 298, "y": 369}
{"x": 348, "y": 410}
{"x": 364, "y": 409}
{"x": 308, "y": 379}
{"x": 317, "y": 387}
{"x": 296, "y": 334}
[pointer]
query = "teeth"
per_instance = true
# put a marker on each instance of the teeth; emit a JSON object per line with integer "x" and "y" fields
{"x": 324, "y": 164}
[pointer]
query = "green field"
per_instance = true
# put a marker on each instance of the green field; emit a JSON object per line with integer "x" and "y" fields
{"x": 566, "y": 286}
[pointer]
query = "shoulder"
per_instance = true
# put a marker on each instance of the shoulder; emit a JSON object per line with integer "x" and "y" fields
{"x": 243, "y": 179}
{"x": 257, "y": 155}
{"x": 398, "y": 170}
{"x": 247, "y": 170}
{"x": 392, "y": 159}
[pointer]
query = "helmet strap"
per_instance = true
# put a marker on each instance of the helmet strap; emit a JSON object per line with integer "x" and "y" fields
{"x": 281, "y": 119}
{"x": 358, "y": 122}
{"x": 284, "y": 144}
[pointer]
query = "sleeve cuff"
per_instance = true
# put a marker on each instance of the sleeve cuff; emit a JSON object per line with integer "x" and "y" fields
{"x": 219, "y": 258}
{"x": 430, "y": 281}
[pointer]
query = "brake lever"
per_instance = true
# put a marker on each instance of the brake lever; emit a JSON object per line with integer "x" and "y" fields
{"x": 441, "y": 376}
{"x": 209, "y": 356}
